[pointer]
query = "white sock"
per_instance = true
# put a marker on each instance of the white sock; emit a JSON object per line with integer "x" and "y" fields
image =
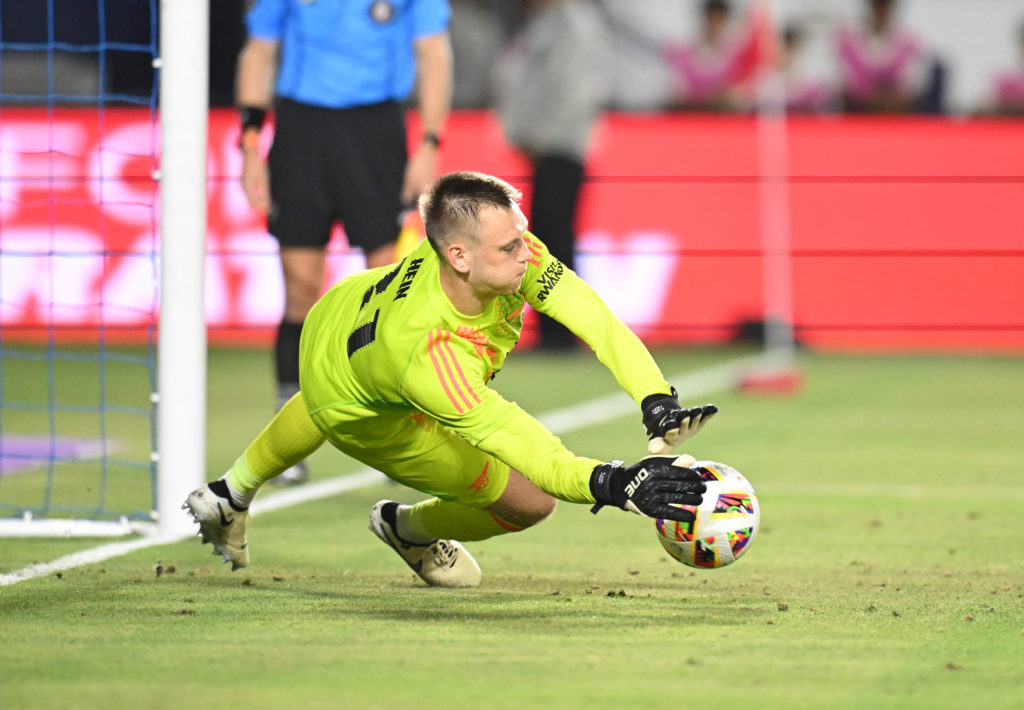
{"x": 405, "y": 531}
{"x": 242, "y": 500}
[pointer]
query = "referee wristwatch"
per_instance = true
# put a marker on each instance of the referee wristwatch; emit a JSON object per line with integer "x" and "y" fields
{"x": 252, "y": 119}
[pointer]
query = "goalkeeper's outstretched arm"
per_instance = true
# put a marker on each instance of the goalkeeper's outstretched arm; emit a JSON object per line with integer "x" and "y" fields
{"x": 571, "y": 301}
{"x": 655, "y": 486}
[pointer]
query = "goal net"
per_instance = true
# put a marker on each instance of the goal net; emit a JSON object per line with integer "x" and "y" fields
{"x": 80, "y": 267}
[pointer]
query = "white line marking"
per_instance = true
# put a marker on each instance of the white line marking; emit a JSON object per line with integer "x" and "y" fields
{"x": 882, "y": 491}
{"x": 312, "y": 491}
{"x": 694, "y": 384}
{"x": 560, "y": 421}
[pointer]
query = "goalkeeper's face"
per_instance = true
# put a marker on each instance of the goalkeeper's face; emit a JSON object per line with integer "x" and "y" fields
{"x": 498, "y": 258}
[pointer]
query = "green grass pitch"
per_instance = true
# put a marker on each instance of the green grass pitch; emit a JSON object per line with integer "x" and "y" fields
{"x": 888, "y": 571}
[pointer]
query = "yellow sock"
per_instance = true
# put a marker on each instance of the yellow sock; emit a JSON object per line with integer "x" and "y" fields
{"x": 290, "y": 437}
{"x": 455, "y": 521}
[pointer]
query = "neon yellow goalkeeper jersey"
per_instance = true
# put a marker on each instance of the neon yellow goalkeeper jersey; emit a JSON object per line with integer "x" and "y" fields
{"x": 388, "y": 344}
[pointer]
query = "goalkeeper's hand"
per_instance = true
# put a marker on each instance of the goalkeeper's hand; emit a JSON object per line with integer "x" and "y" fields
{"x": 668, "y": 424}
{"x": 654, "y": 487}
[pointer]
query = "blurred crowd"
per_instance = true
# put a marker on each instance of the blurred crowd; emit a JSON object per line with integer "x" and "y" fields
{"x": 724, "y": 54}
{"x": 819, "y": 56}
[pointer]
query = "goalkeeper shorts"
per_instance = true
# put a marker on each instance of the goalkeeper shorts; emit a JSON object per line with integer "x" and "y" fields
{"x": 417, "y": 451}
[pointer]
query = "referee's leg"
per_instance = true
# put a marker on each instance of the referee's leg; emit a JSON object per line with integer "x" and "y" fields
{"x": 303, "y": 271}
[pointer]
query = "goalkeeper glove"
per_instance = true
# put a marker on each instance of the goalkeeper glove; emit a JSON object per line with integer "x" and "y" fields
{"x": 668, "y": 424}
{"x": 654, "y": 487}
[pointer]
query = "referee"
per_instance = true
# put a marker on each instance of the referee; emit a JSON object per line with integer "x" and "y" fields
{"x": 337, "y": 72}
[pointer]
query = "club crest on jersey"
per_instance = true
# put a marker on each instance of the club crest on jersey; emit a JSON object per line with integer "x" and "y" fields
{"x": 382, "y": 12}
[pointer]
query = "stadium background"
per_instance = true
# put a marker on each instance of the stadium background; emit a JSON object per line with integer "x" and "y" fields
{"x": 884, "y": 575}
{"x": 915, "y": 216}
{"x": 900, "y": 232}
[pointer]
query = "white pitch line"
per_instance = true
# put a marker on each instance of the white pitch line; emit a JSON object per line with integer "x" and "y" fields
{"x": 689, "y": 385}
{"x": 560, "y": 421}
{"x": 922, "y": 492}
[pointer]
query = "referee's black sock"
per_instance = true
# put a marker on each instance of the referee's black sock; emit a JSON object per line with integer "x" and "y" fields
{"x": 286, "y": 360}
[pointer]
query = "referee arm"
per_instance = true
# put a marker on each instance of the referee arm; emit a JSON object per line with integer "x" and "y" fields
{"x": 434, "y": 98}
{"x": 254, "y": 88}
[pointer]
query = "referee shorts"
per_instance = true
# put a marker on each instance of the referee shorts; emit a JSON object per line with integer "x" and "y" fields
{"x": 344, "y": 165}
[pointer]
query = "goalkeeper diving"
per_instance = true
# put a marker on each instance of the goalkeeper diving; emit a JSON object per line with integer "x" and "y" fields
{"x": 394, "y": 368}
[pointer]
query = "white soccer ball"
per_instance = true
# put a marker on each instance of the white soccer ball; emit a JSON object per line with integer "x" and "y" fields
{"x": 726, "y": 520}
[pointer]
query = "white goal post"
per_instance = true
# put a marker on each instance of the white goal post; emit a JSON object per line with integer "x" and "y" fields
{"x": 181, "y": 352}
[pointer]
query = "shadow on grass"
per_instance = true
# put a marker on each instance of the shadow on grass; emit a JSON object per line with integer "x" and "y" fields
{"x": 547, "y": 603}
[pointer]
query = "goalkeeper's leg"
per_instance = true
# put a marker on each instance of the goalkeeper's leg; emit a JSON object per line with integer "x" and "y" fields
{"x": 426, "y": 535}
{"x": 520, "y": 506}
{"x": 477, "y": 495}
{"x": 290, "y": 437}
{"x": 222, "y": 507}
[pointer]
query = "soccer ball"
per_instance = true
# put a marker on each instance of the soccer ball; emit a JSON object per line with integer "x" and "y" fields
{"x": 726, "y": 521}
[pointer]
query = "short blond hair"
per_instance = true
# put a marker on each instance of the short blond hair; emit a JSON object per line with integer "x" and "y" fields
{"x": 451, "y": 206}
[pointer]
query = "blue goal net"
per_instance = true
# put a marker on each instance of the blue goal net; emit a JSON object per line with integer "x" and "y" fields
{"x": 79, "y": 269}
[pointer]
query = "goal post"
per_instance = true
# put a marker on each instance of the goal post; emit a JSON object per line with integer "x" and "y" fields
{"x": 181, "y": 351}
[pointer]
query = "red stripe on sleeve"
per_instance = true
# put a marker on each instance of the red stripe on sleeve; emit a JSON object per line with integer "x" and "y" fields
{"x": 447, "y": 358}
{"x": 458, "y": 368}
{"x": 433, "y": 351}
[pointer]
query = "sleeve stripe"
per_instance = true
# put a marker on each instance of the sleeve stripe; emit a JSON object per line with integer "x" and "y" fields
{"x": 458, "y": 368}
{"x": 443, "y": 357}
{"x": 534, "y": 250}
{"x": 431, "y": 350}
{"x": 449, "y": 372}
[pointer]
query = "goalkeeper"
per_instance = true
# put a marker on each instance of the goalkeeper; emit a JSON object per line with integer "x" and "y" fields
{"x": 394, "y": 369}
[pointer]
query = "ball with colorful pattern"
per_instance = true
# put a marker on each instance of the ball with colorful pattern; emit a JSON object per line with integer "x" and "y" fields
{"x": 725, "y": 523}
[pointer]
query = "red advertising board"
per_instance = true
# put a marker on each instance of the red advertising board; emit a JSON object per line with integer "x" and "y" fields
{"x": 902, "y": 233}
